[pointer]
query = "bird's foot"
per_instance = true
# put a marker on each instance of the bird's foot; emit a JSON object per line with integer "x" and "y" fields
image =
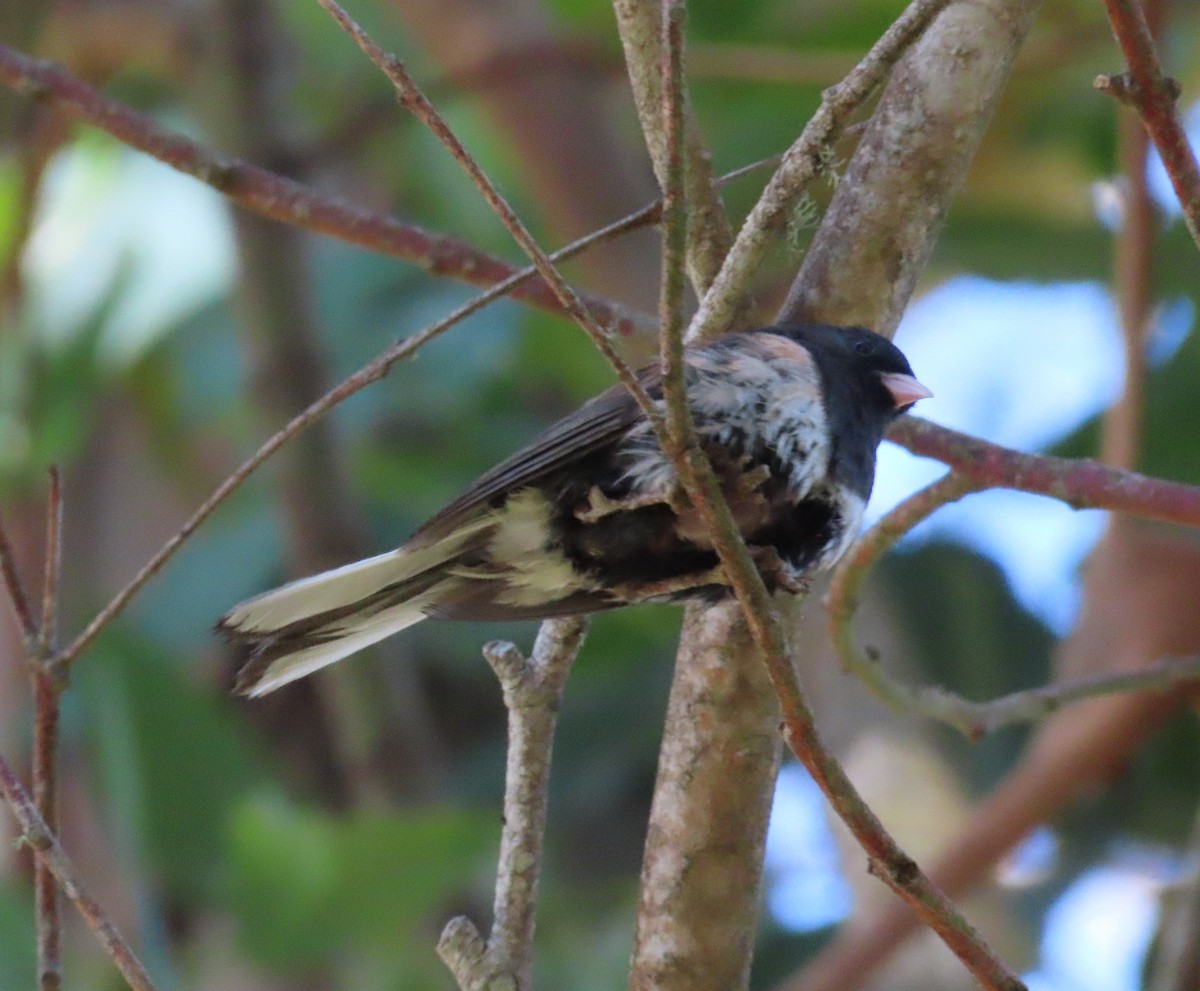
{"x": 777, "y": 573}
{"x": 749, "y": 482}
{"x": 600, "y": 505}
{"x": 667, "y": 589}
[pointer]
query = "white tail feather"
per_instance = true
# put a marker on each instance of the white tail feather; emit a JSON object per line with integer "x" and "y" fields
{"x": 342, "y": 586}
{"x": 354, "y": 635}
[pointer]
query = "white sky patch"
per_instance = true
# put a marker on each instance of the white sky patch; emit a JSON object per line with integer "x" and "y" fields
{"x": 1098, "y": 931}
{"x": 1022, "y": 365}
{"x": 806, "y": 889}
{"x": 110, "y": 216}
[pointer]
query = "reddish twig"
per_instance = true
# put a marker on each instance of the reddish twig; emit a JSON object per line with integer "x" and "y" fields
{"x": 47, "y": 689}
{"x": 16, "y": 589}
{"x": 1081, "y": 483}
{"x": 1155, "y": 97}
{"x": 49, "y": 852}
{"x": 48, "y": 627}
{"x": 886, "y": 859}
{"x": 271, "y": 195}
{"x": 46, "y": 693}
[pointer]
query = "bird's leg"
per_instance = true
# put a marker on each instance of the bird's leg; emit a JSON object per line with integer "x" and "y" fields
{"x": 777, "y": 573}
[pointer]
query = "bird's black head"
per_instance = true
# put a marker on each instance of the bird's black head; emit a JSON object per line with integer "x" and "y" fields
{"x": 867, "y": 382}
{"x": 869, "y": 366}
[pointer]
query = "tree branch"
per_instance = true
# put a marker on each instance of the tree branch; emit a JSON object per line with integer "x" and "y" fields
{"x": 48, "y": 685}
{"x": 972, "y": 719}
{"x": 1081, "y": 483}
{"x": 263, "y": 192}
{"x": 802, "y": 163}
{"x": 891, "y": 202}
{"x": 640, "y": 25}
{"x": 532, "y": 694}
{"x": 373, "y": 371}
{"x": 413, "y": 100}
{"x": 1155, "y": 96}
{"x": 50, "y": 853}
{"x": 16, "y": 589}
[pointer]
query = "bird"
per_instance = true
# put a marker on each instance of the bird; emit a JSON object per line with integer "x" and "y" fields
{"x": 589, "y": 516}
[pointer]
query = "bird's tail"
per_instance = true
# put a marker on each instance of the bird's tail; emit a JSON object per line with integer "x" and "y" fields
{"x": 307, "y": 624}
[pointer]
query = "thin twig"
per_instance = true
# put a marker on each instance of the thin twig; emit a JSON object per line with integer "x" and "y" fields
{"x": 46, "y": 693}
{"x": 48, "y": 628}
{"x": 640, "y": 26}
{"x": 887, "y": 860}
{"x": 415, "y": 101}
{"x": 16, "y": 589}
{"x": 1155, "y": 97}
{"x": 48, "y": 851}
{"x": 271, "y": 195}
{"x": 972, "y": 719}
{"x": 802, "y": 163}
{"x": 532, "y": 695}
{"x": 47, "y": 689}
{"x": 1081, "y": 483}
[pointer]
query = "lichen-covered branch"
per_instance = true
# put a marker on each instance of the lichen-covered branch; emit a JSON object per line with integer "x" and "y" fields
{"x": 802, "y": 163}
{"x": 532, "y": 693}
{"x": 702, "y": 873}
{"x": 891, "y": 201}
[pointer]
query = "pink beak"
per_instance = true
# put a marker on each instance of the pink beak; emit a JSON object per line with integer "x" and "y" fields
{"x": 905, "y": 389}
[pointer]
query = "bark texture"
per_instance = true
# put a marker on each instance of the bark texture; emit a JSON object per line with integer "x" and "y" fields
{"x": 702, "y": 873}
{"x": 891, "y": 202}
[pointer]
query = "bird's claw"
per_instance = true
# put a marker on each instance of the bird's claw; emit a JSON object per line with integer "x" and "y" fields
{"x": 777, "y": 573}
{"x": 600, "y": 505}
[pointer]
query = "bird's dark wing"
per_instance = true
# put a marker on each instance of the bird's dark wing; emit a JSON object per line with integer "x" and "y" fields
{"x": 597, "y": 424}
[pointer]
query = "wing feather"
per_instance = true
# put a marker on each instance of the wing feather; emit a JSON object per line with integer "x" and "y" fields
{"x": 596, "y": 425}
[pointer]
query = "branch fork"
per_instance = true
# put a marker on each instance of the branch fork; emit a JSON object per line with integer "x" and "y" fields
{"x": 532, "y": 690}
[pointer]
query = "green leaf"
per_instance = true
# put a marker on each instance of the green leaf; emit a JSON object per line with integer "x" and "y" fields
{"x": 171, "y": 760}
{"x": 17, "y": 942}
{"x": 307, "y": 884}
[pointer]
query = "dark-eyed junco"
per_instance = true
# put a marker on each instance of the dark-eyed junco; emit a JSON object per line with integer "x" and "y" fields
{"x": 589, "y": 515}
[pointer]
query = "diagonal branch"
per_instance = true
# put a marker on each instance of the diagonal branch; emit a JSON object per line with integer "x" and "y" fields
{"x": 802, "y": 163}
{"x": 49, "y": 852}
{"x": 415, "y": 101}
{"x": 1155, "y": 96}
{"x": 1081, "y": 483}
{"x": 16, "y": 589}
{"x": 640, "y": 24}
{"x": 278, "y": 198}
{"x": 372, "y": 372}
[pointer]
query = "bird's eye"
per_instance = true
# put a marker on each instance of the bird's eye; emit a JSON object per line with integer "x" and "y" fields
{"x": 863, "y": 347}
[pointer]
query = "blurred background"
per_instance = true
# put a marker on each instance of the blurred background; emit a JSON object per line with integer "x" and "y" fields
{"x": 152, "y": 337}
